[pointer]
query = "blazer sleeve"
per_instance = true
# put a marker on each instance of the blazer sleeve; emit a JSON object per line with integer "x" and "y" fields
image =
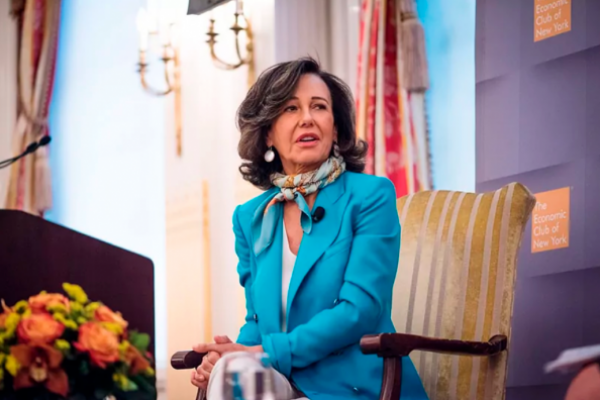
{"x": 365, "y": 294}
{"x": 249, "y": 334}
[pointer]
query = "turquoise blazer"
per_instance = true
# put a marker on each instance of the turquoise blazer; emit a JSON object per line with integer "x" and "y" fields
{"x": 340, "y": 290}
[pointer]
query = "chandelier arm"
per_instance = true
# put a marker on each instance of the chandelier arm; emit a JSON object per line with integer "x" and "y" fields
{"x": 249, "y": 45}
{"x": 170, "y": 84}
{"x": 237, "y": 49}
{"x": 149, "y": 88}
{"x": 222, "y": 64}
{"x": 248, "y": 60}
{"x": 167, "y": 61}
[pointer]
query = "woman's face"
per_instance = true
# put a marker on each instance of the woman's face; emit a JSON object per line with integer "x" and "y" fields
{"x": 305, "y": 131}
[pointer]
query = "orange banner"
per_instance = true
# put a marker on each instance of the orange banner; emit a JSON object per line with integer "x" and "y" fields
{"x": 551, "y": 18}
{"x": 551, "y": 216}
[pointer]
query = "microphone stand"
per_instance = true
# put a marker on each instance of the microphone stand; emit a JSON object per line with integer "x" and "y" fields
{"x": 32, "y": 148}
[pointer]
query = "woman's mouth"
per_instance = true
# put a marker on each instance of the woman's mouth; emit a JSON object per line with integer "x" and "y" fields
{"x": 307, "y": 139}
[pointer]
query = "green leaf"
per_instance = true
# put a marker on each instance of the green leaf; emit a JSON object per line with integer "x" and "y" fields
{"x": 140, "y": 341}
{"x": 144, "y": 384}
{"x": 101, "y": 394}
{"x": 77, "y": 396}
{"x": 84, "y": 368}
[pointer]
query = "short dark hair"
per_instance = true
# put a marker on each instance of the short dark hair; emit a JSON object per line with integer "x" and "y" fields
{"x": 264, "y": 103}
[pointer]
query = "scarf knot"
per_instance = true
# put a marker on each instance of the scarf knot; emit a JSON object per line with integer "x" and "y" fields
{"x": 295, "y": 188}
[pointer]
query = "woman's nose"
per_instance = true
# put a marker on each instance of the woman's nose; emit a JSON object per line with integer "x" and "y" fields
{"x": 306, "y": 118}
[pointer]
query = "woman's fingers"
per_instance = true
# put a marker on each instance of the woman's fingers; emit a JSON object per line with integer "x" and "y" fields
{"x": 201, "y": 375}
{"x": 219, "y": 341}
{"x": 203, "y": 371}
{"x": 222, "y": 340}
{"x": 198, "y": 380}
{"x": 209, "y": 361}
{"x": 220, "y": 348}
{"x": 222, "y": 344}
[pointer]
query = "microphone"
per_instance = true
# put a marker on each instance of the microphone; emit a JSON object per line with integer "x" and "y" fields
{"x": 318, "y": 214}
{"x": 31, "y": 148}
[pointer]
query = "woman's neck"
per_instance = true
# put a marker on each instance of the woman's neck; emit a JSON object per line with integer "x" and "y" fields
{"x": 297, "y": 169}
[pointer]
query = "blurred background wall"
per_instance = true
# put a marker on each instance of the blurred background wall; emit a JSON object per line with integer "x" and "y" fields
{"x": 108, "y": 150}
{"x": 450, "y": 37}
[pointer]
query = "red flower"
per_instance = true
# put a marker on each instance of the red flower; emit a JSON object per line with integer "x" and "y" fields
{"x": 136, "y": 361}
{"x": 40, "y": 365}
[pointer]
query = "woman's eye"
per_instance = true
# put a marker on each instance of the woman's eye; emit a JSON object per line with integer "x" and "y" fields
{"x": 320, "y": 106}
{"x": 290, "y": 108}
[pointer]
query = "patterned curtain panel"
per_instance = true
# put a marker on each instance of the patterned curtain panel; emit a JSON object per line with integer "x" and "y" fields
{"x": 30, "y": 186}
{"x": 392, "y": 80}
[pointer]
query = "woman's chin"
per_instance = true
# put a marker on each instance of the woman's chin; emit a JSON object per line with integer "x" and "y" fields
{"x": 311, "y": 163}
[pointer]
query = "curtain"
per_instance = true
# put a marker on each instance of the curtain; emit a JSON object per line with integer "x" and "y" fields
{"x": 392, "y": 81}
{"x": 30, "y": 185}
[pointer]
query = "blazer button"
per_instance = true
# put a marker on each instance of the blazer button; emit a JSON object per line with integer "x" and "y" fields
{"x": 355, "y": 390}
{"x": 255, "y": 317}
{"x": 335, "y": 302}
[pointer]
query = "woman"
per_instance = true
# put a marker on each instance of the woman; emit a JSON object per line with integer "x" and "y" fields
{"x": 318, "y": 251}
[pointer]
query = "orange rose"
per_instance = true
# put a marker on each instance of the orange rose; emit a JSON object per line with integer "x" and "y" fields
{"x": 101, "y": 344}
{"x": 39, "y": 328}
{"x": 42, "y": 301}
{"x": 105, "y": 314}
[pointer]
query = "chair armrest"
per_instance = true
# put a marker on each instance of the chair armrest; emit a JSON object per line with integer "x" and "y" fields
{"x": 401, "y": 345}
{"x": 188, "y": 359}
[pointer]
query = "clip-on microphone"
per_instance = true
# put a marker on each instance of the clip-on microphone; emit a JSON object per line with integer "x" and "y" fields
{"x": 318, "y": 214}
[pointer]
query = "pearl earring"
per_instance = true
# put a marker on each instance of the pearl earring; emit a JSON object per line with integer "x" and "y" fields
{"x": 269, "y": 155}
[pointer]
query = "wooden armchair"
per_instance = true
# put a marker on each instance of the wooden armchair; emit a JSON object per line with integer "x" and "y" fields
{"x": 454, "y": 289}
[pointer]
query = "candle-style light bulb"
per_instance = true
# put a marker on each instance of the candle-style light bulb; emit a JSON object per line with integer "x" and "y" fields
{"x": 164, "y": 30}
{"x": 142, "y": 26}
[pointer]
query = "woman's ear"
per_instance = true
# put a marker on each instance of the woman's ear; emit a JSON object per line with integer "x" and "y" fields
{"x": 269, "y": 140}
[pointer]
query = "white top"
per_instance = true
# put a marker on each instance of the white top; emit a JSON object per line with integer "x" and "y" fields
{"x": 287, "y": 265}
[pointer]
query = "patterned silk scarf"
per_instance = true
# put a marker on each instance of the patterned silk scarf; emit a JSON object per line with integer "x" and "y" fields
{"x": 295, "y": 188}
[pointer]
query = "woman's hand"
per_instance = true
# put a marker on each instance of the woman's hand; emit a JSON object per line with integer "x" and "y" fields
{"x": 224, "y": 348}
{"x": 201, "y": 375}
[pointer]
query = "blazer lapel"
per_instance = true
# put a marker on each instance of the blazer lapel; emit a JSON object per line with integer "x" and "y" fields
{"x": 267, "y": 283}
{"x": 263, "y": 230}
{"x": 334, "y": 200}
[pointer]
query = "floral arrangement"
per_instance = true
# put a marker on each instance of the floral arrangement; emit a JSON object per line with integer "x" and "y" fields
{"x": 71, "y": 348}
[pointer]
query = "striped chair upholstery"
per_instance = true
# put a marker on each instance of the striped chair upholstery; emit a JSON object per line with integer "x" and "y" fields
{"x": 456, "y": 280}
